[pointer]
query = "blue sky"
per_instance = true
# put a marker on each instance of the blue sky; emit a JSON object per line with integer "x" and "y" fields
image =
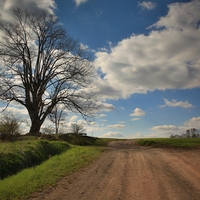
{"x": 147, "y": 57}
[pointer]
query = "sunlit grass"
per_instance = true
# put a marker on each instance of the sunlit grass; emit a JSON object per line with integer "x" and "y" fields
{"x": 26, "y": 182}
{"x": 19, "y": 155}
{"x": 21, "y": 185}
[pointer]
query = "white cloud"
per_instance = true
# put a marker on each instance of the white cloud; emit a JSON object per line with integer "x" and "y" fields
{"x": 175, "y": 103}
{"x": 14, "y": 108}
{"x": 102, "y": 115}
{"x": 73, "y": 118}
{"x": 137, "y": 113}
{"x": 166, "y": 130}
{"x": 193, "y": 123}
{"x": 181, "y": 15}
{"x": 116, "y": 126}
{"x": 105, "y": 106}
{"x": 105, "y": 90}
{"x": 7, "y": 6}
{"x": 112, "y": 134}
{"x": 135, "y": 119}
{"x": 167, "y": 58}
{"x": 86, "y": 48}
{"x": 147, "y": 5}
{"x": 79, "y": 2}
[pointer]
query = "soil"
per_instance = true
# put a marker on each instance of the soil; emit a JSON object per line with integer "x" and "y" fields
{"x": 128, "y": 172}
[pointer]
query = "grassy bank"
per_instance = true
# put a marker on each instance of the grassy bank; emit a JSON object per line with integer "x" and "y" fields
{"x": 29, "y": 151}
{"x": 15, "y": 156}
{"x": 79, "y": 140}
{"x": 170, "y": 142}
{"x": 21, "y": 185}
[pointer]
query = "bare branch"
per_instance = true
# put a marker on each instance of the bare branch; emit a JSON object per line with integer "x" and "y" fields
{"x": 43, "y": 67}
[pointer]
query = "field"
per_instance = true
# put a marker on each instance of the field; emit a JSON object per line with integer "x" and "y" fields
{"x": 170, "y": 142}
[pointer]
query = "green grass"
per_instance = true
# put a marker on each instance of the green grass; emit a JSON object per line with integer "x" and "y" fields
{"x": 21, "y": 185}
{"x": 84, "y": 140}
{"x": 19, "y": 155}
{"x": 170, "y": 142}
{"x": 104, "y": 141}
{"x": 77, "y": 139}
{"x": 14, "y": 155}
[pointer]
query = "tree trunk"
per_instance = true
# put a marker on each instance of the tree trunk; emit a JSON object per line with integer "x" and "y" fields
{"x": 56, "y": 129}
{"x": 35, "y": 127}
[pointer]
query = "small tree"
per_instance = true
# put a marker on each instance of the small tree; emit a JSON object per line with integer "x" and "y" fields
{"x": 57, "y": 115}
{"x": 41, "y": 66}
{"x": 77, "y": 128}
{"x": 9, "y": 126}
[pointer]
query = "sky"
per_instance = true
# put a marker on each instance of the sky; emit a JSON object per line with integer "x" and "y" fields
{"x": 147, "y": 55}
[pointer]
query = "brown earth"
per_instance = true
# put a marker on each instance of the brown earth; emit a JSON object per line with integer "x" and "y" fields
{"x": 128, "y": 172}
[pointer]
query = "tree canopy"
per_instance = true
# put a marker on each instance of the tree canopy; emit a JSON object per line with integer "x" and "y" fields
{"x": 41, "y": 66}
{"x": 77, "y": 128}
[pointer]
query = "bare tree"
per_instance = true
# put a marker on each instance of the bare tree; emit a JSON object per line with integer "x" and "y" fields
{"x": 9, "y": 126}
{"x": 57, "y": 115}
{"x": 42, "y": 66}
{"x": 77, "y": 128}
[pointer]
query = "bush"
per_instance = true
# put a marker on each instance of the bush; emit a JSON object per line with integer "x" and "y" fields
{"x": 9, "y": 127}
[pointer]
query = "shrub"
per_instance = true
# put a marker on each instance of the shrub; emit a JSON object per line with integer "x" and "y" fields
{"x": 9, "y": 127}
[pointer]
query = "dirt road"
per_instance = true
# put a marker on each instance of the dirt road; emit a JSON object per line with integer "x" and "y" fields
{"x": 129, "y": 172}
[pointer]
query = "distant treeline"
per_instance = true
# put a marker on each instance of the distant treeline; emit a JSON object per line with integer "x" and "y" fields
{"x": 190, "y": 133}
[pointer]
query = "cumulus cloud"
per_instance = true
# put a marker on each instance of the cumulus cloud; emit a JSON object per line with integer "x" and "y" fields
{"x": 181, "y": 16}
{"x": 193, "y": 123}
{"x": 116, "y": 126}
{"x": 175, "y": 103}
{"x": 166, "y": 130}
{"x": 147, "y": 5}
{"x": 113, "y": 135}
{"x": 73, "y": 118}
{"x": 13, "y": 108}
{"x": 102, "y": 115}
{"x": 135, "y": 119}
{"x": 102, "y": 106}
{"x": 166, "y": 58}
{"x": 105, "y": 90}
{"x": 7, "y": 6}
{"x": 137, "y": 113}
{"x": 79, "y": 2}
